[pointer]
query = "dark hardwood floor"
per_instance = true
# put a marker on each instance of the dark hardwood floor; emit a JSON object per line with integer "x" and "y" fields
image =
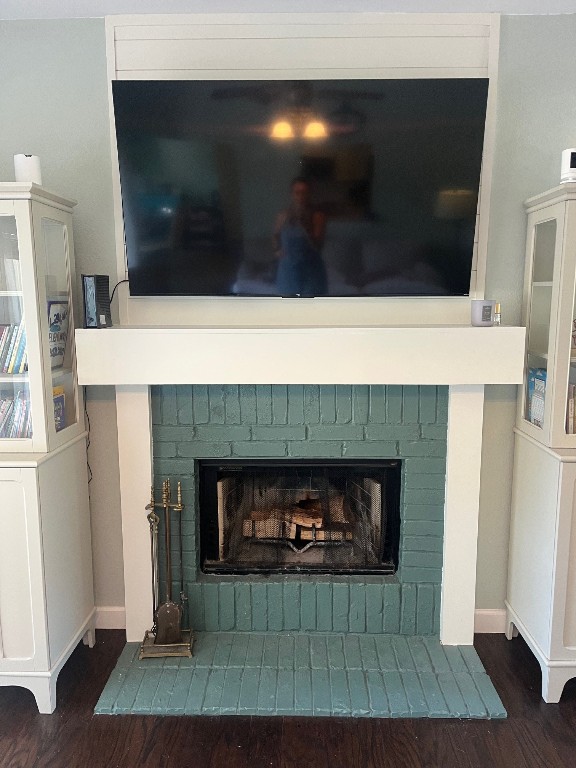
{"x": 534, "y": 734}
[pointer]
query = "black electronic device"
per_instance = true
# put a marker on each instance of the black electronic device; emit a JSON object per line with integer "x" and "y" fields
{"x": 96, "y": 293}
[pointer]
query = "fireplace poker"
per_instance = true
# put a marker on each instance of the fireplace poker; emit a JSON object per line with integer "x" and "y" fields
{"x": 169, "y": 613}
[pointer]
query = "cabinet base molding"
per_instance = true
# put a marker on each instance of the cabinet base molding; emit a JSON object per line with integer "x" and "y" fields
{"x": 555, "y": 673}
{"x": 43, "y": 683}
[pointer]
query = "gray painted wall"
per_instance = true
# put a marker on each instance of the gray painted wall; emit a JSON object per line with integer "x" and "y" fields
{"x": 53, "y": 103}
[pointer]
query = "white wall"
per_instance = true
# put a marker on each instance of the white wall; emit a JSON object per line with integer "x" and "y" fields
{"x": 53, "y": 103}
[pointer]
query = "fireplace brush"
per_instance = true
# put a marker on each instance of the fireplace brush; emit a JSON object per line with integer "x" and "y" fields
{"x": 166, "y": 638}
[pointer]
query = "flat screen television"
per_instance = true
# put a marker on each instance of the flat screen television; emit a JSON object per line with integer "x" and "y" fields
{"x": 300, "y": 188}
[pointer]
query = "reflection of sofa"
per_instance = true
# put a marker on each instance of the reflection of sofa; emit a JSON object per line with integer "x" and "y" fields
{"x": 358, "y": 263}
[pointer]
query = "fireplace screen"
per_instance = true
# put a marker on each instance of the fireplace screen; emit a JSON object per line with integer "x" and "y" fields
{"x": 328, "y": 517}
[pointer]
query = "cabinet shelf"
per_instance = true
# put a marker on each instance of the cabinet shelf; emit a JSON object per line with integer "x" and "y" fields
{"x": 13, "y": 378}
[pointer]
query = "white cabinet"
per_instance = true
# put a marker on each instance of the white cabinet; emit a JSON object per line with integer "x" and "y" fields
{"x": 46, "y": 592}
{"x": 541, "y": 601}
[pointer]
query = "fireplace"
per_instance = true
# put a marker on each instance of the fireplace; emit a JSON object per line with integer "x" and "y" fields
{"x": 335, "y": 517}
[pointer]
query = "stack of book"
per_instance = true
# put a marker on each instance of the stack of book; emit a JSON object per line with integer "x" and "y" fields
{"x": 15, "y": 417}
{"x": 13, "y": 356}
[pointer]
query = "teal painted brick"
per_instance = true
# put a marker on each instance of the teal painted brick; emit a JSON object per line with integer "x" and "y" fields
{"x": 324, "y": 607}
{"x": 368, "y": 652}
{"x": 275, "y": 432}
{"x": 275, "y": 617}
{"x": 204, "y": 450}
{"x": 434, "y": 431}
{"x": 377, "y": 405}
{"x": 196, "y": 607}
{"x": 404, "y": 658}
{"x": 392, "y": 608}
{"x": 414, "y": 694}
{"x": 213, "y": 433}
{"x": 442, "y": 406}
{"x": 185, "y": 411}
{"x": 156, "y": 405}
{"x": 328, "y": 404}
{"x": 211, "y": 611}
{"x": 423, "y": 528}
{"x": 231, "y": 691}
{"x": 340, "y": 607}
{"x": 239, "y": 650}
{"x": 432, "y": 448}
{"x": 374, "y": 449}
{"x": 473, "y": 663}
{"x": 394, "y": 404}
{"x": 169, "y": 405}
{"x": 396, "y": 694}
{"x": 204, "y": 650}
{"x": 171, "y": 433}
{"x": 200, "y": 405}
{"x": 474, "y": 703}
{"x": 435, "y": 701}
{"x": 270, "y": 654}
{"x": 391, "y": 432}
{"x": 335, "y": 651}
{"x": 410, "y": 405}
{"x": 223, "y": 649}
{"x": 339, "y": 694}
{"x": 232, "y": 413}
{"x": 452, "y": 694}
{"x": 291, "y": 600}
{"x": 259, "y": 608}
{"x": 386, "y": 655}
{"x": 285, "y": 691}
{"x": 437, "y": 655}
{"x": 315, "y": 450}
{"x": 343, "y": 404}
{"x": 311, "y": 404}
{"x": 226, "y": 617}
{"x": 318, "y": 652}
{"x": 455, "y": 658}
{"x": 248, "y": 403}
{"x": 286, "y": 651}
{"x": 302, "y": 652}
{"x": 408, "y": 610}
{"x": 423, "y": 481}
{"x": 165, "y": 450}
{"x": 321, "y": 694}
{"x": 303, "y": 691}
{"x": 255, "y": 651}
{"x": 494, "y": 706}
{"x": 427, "y": 496}
{"x": 413, "y": 574}
{"x": 280, "y": 404}
{"x": 183, "y": 686}
{"x": 216, "y": 404}
{"x": 352, "y": 652}
{"x": 161, "y": 698}
{"x": 360, "y": 404}
{"x": 374, "y": 607}
{"x": 243, "y": 600}
{"x": 359, "y": 700}
{"x": 259, "y": 449}
{"x": 433, "y": 513}
{"x": 424, "y": 465}
{"x": 377, "y": 693}
{"x": 421, "y": 559}
{"x": 437, "y": 601}
{"x": 428, "y": 398}
{"x": 335, "y": 432}
{"x": 422, "y": 543}
{"x": 307, "y": 606}
{"x": 425, "y": 609}
{"x": 248, "y": 701}
{"x": 357, "y": 615}
{"x": 296, "y": 404}
{"x": 264, "y": 404}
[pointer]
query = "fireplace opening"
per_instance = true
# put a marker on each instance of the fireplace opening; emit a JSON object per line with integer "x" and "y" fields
{"x": 290, "y": 516}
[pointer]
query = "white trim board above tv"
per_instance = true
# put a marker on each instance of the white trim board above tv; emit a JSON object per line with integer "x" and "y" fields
{"x": 298, "y": 46}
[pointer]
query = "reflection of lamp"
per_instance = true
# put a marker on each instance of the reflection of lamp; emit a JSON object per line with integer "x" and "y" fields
{"x": 299, "y": 123}
{"x": 455, "y": 203}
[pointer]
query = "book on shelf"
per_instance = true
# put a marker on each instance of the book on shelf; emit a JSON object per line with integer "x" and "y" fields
{"x": 15, "y": 417}
{"x": 59, "y": 398}
{"x": 536, "y": 395}
{"x": 570, "y": 407}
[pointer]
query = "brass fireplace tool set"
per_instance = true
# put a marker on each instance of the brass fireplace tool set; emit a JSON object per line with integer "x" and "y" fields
{"x": 166, "y": 638}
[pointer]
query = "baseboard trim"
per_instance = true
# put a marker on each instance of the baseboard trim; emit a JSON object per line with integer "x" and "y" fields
{"x": 490, "y": 621}
{"x": 110, "y": 617}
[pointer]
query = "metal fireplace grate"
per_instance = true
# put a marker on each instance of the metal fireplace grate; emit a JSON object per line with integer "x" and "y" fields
{"x": 331, "y": 517}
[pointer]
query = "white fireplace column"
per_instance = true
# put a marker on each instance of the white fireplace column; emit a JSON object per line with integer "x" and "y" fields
{"x": 463, "y": 357}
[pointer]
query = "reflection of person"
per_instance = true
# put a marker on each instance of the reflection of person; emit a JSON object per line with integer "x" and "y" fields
{"x": 298, "y": 238}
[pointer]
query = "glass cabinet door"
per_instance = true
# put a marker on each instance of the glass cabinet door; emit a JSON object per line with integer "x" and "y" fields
{"x": 60, "y": 322}
{"x": 15, "y": 415}
{"x": 538, "y": 321}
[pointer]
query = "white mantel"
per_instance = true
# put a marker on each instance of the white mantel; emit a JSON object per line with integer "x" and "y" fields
{"x": 464, "y": 358}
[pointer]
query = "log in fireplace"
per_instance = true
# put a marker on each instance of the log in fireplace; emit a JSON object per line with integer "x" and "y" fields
{"x": 315, "y": 516}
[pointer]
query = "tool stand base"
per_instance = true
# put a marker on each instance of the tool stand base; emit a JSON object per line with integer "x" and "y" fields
{"x": 151, "y": 650}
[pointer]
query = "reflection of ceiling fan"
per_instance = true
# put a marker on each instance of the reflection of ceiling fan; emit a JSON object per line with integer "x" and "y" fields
{"x": 299, "y": 96}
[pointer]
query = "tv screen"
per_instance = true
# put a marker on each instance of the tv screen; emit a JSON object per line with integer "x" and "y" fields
{"x": 300, "y": 188}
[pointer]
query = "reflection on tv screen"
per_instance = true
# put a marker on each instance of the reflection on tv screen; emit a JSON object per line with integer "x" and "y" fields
{"x": 306, "y": 188}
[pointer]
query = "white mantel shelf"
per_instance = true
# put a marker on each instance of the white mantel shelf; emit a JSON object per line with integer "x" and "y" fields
{"x": 448, "y": 355}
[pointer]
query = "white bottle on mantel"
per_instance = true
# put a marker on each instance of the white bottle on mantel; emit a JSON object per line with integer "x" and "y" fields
{"x": 497, "y": 314}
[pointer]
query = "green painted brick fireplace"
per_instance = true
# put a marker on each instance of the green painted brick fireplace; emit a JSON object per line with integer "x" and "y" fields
{"x": 320, "y": 422}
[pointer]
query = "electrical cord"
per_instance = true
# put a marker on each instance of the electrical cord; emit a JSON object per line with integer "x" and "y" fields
{"x": 116, "y": 286}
